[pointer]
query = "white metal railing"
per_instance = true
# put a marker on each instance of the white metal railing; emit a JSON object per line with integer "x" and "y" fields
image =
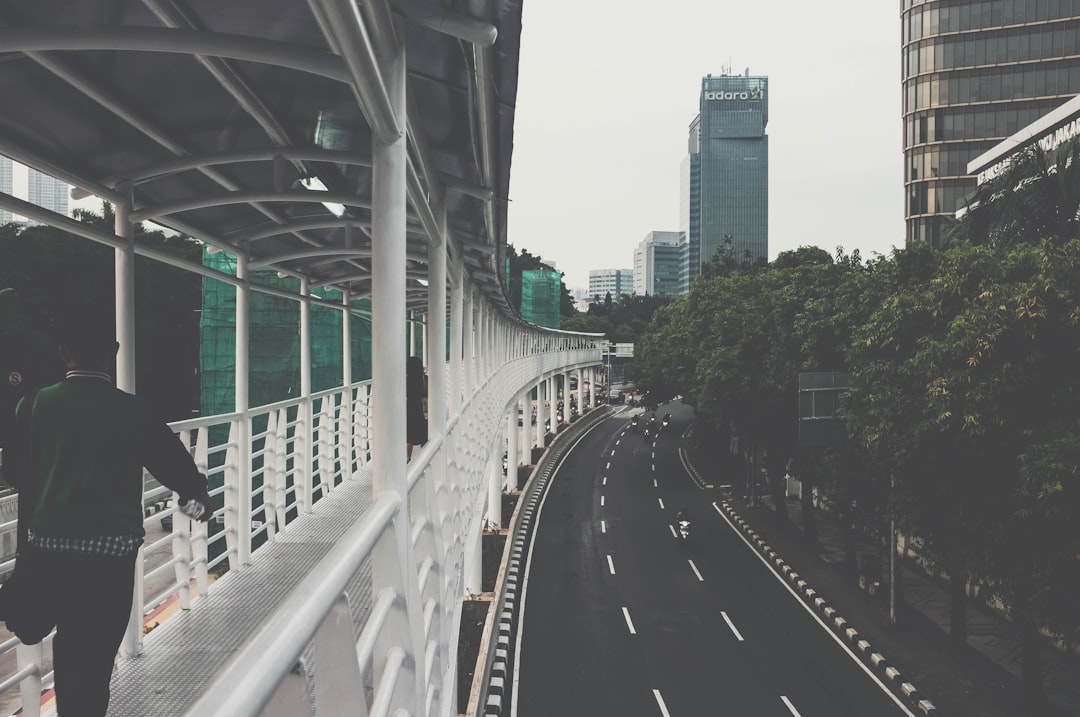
{"x": 297, "y": 452}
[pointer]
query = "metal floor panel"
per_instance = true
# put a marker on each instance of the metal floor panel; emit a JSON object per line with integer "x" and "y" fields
{"x": 183, "y": 655}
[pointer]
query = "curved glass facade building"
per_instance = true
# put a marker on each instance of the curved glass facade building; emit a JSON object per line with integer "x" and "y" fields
{"x": 974, "y": 73}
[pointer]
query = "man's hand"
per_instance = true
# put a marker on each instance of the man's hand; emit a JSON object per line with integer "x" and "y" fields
{"x": 207, "y": 504}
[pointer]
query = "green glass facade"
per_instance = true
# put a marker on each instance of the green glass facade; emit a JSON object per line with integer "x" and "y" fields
{"x": 732, "y": 182}
{"x": 973, "y": 74}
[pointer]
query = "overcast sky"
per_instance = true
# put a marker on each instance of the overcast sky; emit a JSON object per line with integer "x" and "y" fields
{"x": 607, "y": 91}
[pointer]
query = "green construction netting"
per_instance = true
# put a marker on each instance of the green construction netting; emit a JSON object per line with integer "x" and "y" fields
{"x": 540, "y": 293}
{"x": 274, "y": 348}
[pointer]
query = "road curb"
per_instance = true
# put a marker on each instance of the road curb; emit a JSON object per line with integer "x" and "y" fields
{"x": 873, "y": 659}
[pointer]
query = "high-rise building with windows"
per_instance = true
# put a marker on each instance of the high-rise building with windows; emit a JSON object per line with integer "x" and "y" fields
{"x": 615, "y": 281}
{"x": 975, "y": 72}
{"x": 7, "y": 185}
{"x": 47, "y": 192}
{"x": 658, "y": 264}
{"x": 725, "y": 175}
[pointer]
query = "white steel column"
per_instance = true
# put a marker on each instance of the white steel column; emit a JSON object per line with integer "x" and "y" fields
{"x": 495, "y": 484}
{"x": 457, "y": 305}
{"x": 345, "y": 453}
{"x": 527, "y": 432}
{"x": 436, "y": 342}
{"x": 512, "y": 450}
{"x": 553, "y": 403}
{"x": 474, "y": 577}
{"x": 393, "y": 550}
{"x": 243, "y": 403}
{"x": 581, "y": 391}
{"x": 124, "y": 287}
{"x": 470, "y": 343}
{"x": 304, "y": 434}
{"x": 540, "y": 413}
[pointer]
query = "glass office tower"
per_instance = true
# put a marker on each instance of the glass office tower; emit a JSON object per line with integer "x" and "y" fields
{"x": 974, "y": 73}
{"x": 726, "y": 186}
{"x": 45, "y": 191}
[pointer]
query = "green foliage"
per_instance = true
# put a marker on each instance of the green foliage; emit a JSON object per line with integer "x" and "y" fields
{"x": 51, "y": 270}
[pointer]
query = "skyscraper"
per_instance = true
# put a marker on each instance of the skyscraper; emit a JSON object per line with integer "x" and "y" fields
{"x": 658, "y": 264}
{"x": 47, "y": 192}
{"x": 7, "y": 185}
{"x": 973, "y": 74}
{"x": 725, "y": 176}
{"x": 614, "y": 281}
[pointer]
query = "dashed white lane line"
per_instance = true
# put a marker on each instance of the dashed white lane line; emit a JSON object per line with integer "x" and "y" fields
{"x": 655, "y": 484}
{"x": 612, "y": 451}
{"x": 661, "y": 501}
{"x": 660, "y": 701}
{"x": 603, "y": 526}
{"x": 732, "y": 626}
{"x": 654, "y": 467}
{"x": 608, "y": 466}
{"x": 654, "y": 455}
{"x": 610, "y": 565}
{"x": 629, "y": 622}
{"x": 618, "y": 441}
{"x": 604, "y": 482}
{"x": 791, "y": 707}
{"x": 696, "y": 571}
{"x": 601, "y": 501}
{"x": 673, "y": 533}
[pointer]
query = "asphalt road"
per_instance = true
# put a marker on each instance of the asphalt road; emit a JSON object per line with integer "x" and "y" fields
{"x": 623, "y": 618}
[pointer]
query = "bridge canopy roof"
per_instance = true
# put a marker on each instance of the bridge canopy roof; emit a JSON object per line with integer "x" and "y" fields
{"x": 219, "y": 119}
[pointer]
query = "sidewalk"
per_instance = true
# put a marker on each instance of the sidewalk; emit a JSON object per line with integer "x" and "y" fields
{"x": 984, "y": 682}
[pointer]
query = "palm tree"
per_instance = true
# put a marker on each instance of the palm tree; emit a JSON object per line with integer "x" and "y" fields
{"x": 1036, "y": 197}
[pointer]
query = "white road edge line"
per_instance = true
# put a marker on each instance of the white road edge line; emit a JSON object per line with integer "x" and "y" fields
{"x": 629, "y": 622}
{"x": 790, "y": 706}
{"x": 730, "y": 624}
{"x": 610, "y": 565}
{"x": 690, "y": 471}
{"x": 528, "y": 560}
{"x": 813, "y": 614}
{"x": 660, "y": 701}
{"x": 696, "y": 571}
{"x": 661, "y": 502}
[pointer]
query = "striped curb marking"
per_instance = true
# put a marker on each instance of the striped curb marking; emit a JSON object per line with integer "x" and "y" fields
{"x": 861, "y": 647}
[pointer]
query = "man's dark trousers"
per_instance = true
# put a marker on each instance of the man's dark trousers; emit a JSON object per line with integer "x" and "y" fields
{"x": 91, "y": 596}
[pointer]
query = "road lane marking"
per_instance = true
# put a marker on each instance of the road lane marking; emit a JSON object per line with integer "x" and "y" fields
{"x": 618, "y": 441}
{"x": 604, "y": 482}
{"x": 790, "y": 706}
{"x": 655, "y": 484}
{"x": 654, "y": 467}
{"x": 661, "y": 501}
{"x": 696, "y": 572}
{"x": 610, "y": 565}
{"x": 603, "y": 526}
{"x": 629, "y": 622}
{"x": 520, "y": 637}
{"x": 612, "y": 451}
{"x": 601, "y": 501}
{"x": 608, "y": 466}
{"x": 654, "y": 455}
{"x": 673, "y": 533}
{"x": 660, "y": 701}
{"x": 732, "y": 626}
{"x": 828, "y": 630}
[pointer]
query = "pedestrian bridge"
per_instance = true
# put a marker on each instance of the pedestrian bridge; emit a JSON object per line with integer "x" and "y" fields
{"x": 360, "y": 147}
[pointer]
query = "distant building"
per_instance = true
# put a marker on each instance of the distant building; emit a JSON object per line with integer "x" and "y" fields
{"x": 615, "y": 281}
{"x": 658, "y": 263}
{"x": 975, "y": 73}
{"x": 47, "y": 192}
{"x": 725, "y": 175}
{"x": 7, "y": 185}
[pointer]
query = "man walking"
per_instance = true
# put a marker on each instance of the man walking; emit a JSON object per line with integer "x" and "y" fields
{"x": 82, "y": 467}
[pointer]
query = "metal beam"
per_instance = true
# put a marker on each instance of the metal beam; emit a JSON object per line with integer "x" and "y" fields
{"x": 448, "y": 22}
{"x": 180, "y": 42}
{"x": 245, "y": 197}
{"x": 267, "y": 154}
